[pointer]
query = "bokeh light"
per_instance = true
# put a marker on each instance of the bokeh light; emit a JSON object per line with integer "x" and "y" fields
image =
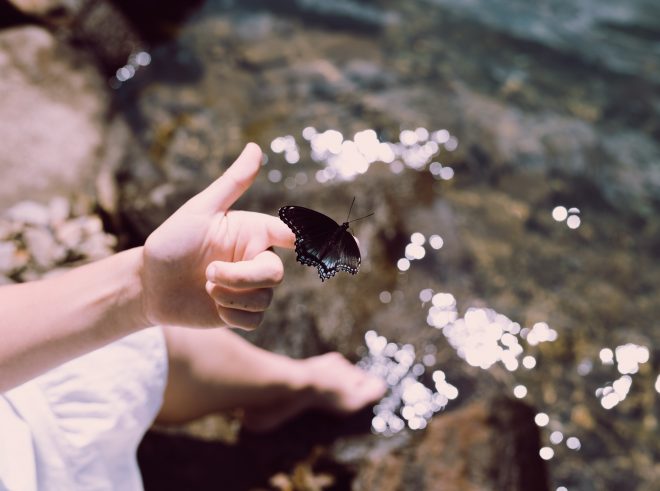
{"x": 520, "y": 391}
{"x": 546, "y": 453}
{"x": 541, "y": 419}
{"x": 403, "y": 264}
{"x": 571, "y": 215}
{"x": 556, "y": 437}
{"x": 559, "y": 213}
{"x": 343, "y": 158}
{"x": 408, "y": 402}
{"x": 629, "y": 356}
{"x": 385, "y": 297}
{"x": 573, "y": 443}
{"x": 483, "y": 337}
{"x": 436, "y": 242}
{"x": 135, "y": 62}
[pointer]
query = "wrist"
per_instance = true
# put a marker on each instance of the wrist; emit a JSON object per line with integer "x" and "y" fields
{"x": 132, "y": 296}
{"x": 122, "y": 296}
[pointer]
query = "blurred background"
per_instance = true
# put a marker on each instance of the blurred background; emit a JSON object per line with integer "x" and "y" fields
{"x": 510, "y": 151}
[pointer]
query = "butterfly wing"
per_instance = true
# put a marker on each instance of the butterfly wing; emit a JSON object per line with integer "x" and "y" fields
{"x": 321, "y": 242}
{"x": 344, "y": 256}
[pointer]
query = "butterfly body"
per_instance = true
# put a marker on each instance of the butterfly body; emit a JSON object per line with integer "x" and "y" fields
{"x": 321, "y": 242}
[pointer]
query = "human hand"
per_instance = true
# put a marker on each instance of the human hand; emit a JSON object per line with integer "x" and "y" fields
{"x": 208, "y": 266}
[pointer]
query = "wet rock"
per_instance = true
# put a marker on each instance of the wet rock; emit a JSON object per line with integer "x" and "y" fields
{"x": 51, "y": 112}
{"x": 617, "y": 36}
{"x": 368, "y": 75}
{"x": 491, "y": 444}
{"x": 621, "y": 165}
{"x": 462, "y": 449}
{"x": 99, "y": 25}
{"x": 346, "y": 14}
{"x": 107, "y": 33}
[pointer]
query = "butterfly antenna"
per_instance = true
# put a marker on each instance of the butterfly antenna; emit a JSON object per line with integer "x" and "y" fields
{"x": 349, "y": 210}
{"x": 355, "y": 219}
{"x": 365, "y": 216}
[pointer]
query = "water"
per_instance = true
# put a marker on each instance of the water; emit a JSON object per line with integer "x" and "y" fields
{"x": 512, "y": 163}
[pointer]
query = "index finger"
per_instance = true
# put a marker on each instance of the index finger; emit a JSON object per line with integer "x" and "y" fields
{"x": 279, "y": 233}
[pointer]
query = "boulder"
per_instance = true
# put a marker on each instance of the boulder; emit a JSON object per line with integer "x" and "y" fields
{"x": 52, "y": 118}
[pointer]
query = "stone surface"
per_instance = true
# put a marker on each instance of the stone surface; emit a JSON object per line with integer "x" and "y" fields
{"x": 37, "y": 240}
{"x": 29, "y": 212}
{"x": 486, "y": 445}
{"x": 51, "y": 118}
{"x": 489, "y": 445}
{"x": 609, "y": 33}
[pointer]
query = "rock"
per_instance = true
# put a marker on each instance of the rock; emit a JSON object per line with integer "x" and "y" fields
{"x": 490, "y": 444}
{"x": 99, "y": 24}
{"x": 107, "y": 33}
{"x": 368, "y": 75}
{"x": 43, "y": 248}
{"x": 59, "y": 210}
{"x": 29, "y": 212}
{"x": 36, "y": 239}
{"x": 347, "y": 14}
{"x": 69, "y": 233}
{"x": 8, "y": 228}
{"x": 621, "y": 165}
{"x": 633, "y": 179}
{"x": 463, "y": 449}
{"x": 51, "y": 118}
{"x": 97, "y": 246}
{"x": 615, "y": 35}
{"x": 8, "y": 252}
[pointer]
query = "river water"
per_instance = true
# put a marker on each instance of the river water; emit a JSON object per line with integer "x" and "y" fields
{"x": 510, "y": 152}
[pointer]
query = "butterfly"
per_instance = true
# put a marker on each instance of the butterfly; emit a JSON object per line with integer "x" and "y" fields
{"x": 322, "y": 242}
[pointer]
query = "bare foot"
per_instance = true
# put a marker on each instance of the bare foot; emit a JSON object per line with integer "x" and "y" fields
{"x": 333, "y": 384}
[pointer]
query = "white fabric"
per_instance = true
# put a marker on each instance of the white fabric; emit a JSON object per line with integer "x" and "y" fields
{"x": 78, "y": 426}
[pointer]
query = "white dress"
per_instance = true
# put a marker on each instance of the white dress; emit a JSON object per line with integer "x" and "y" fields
{"x": 78, "y": 426}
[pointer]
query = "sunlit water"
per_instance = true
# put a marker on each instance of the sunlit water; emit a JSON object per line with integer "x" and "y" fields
{"x": 481, "y": 337}
{"x": 533, "y": 362}
{"x": 345, "y": 158}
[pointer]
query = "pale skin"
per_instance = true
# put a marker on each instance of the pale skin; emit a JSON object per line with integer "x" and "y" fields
{"x": 206, "y": 267}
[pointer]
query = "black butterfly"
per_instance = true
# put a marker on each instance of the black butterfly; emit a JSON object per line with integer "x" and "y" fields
{"x": 322, "y": 242}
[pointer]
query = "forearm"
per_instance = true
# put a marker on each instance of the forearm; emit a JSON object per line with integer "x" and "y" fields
{"x": 48, "y": 322}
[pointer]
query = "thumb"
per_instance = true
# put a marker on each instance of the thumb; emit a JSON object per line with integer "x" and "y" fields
{"x": 225, "y": 190}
